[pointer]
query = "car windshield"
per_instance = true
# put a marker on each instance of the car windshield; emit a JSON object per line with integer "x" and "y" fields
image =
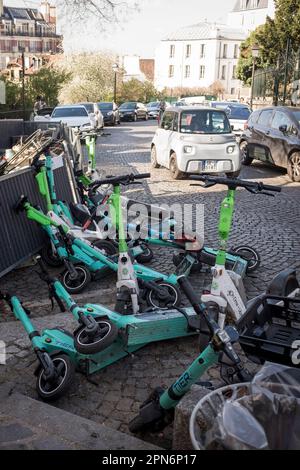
{"x": 105, "y": 106}
{"x": 238, "y": 112}
{"x": 204, "y": 122}
{"x": 128, "y": 106}
{"x": 153, "y": 105}
{"x": 69, "y": 112}
{"x": 89, "y": 107}
{"x": 297, "y": 115}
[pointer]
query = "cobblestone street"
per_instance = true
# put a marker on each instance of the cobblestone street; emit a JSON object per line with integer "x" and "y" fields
{"x": 271, "y": 225}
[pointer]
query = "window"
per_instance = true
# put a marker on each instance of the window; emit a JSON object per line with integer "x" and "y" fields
{"x": 70, "y": 112}
{"x": 238, "y": 112}
{"x": 232, "y": 91}
{"x": 167, "y": 122}
{"x": 234, "y": 72}
{"x": 176, "y": 122}
{"x": 264, "y": 118}
{"x": 188, "y": 51}
{"x": 225, "y": 49}
{"x": 172, "y": 51}
{"x": 187, "y": 72}
{"x": 202, "y": 72}
{"x": 205, "y": 122}
{"x": 202, "y": 51}
{"x": 236, "y": 51}
{"x": 223, "y": 73}
{"x": 281, "y": 119}
{"x": 171, "y": 71}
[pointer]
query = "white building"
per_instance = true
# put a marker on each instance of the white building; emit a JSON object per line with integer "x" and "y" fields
{"x": 248, "y": 14}
{"x": 198, "y": 56}
{"x": 131, "y": 67}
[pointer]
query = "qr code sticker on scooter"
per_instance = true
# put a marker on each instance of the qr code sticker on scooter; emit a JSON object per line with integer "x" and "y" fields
{"x": 2, "y": 353}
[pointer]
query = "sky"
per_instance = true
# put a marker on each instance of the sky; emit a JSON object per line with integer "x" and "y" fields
{"x": 141, "y": 32}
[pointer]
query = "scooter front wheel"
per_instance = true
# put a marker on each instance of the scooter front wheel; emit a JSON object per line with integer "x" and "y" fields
{"x": 250, "y": 255}
{"x": 170, "y": 296}
{"x": 76, "y": 286}
{"x": 104, "y": 337}
{"x": 52, "y": 390}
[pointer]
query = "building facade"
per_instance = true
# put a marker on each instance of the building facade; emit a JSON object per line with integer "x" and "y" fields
{"x": 248, "y": 14}
{"x": 136, "y": 68}
{"x": 29, "y": 31}
{"x": 198, "y": 56}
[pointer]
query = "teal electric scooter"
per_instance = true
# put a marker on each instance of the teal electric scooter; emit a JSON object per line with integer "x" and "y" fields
{"x": 60, "y": 353}
{"x": 158, "y": 411}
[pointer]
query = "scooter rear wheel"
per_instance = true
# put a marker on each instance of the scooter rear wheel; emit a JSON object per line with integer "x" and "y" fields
{"x": 76, "y": 286}
{"x": 107, "y": 248}
{"x": 105, "y": 337}
{"x": 52, "y": 391}
{"x": 250, "y": 255}
{"x": 154, "y": 300}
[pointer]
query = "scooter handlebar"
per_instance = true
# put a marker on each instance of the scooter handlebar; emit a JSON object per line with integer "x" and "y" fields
{"x": 235, "y": 183}
{"x": 116, "y": 180}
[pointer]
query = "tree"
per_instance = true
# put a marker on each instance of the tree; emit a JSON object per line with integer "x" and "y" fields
{"x": 135, "y": 90}
{"x": 91, "y": 78}
{"x": 272, "y": 38}
{"x": 47, "y": 82}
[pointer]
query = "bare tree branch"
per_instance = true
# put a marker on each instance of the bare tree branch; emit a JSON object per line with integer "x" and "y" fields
{"x": 107, "y": 11}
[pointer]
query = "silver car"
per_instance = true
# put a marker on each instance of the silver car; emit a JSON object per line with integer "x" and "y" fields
{"x": 195, "y": 140}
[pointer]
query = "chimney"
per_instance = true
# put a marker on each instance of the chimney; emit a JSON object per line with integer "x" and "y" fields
{"x": 52, "y": 14}
{"x": 45, "y": 10}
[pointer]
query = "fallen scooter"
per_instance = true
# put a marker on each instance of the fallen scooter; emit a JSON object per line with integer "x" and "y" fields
{"x": 158, "y": 411}
{"x": 86, "y": 259}
{"x": 60, "y": 353}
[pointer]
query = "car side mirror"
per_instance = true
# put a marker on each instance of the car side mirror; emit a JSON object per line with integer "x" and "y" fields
{"x": 283, "y": 128}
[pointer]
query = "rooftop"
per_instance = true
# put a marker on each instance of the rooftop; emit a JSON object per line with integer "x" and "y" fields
{"x": 29, "y": 14}
{"x": 206, "y": 31}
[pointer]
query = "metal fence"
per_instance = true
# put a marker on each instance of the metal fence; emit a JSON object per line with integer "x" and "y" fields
{"x": 19, "y": 237}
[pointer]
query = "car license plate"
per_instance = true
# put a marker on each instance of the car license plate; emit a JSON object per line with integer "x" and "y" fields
{"x": 209, "y": 165}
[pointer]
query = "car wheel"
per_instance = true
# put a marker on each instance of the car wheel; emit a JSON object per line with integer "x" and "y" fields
{"x": 154, "y": 162}
{"x": 175, "y": 172}
{"x": 294, "y": 167}
{"x": 246, "y": 160}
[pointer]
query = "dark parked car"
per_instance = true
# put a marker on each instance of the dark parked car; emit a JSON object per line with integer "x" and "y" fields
{"x": 110, "y": 113}
{"x": 273, "y": 135}
{"x": 132, "y": 111}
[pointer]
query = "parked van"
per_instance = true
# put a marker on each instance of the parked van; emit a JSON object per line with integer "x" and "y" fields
{"x": 196, "y": 140}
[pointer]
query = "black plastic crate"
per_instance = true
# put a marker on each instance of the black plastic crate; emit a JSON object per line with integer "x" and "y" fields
{"x": 269, "y": 330}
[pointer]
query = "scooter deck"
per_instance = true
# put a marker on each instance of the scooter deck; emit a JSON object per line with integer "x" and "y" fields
{"x": 158, "y": 325}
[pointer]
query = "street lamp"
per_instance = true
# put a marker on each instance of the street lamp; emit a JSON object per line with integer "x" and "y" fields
{"x": 255, "y": 55}
{"x": 23, "y": 83}
{"x": 115, "y": 69}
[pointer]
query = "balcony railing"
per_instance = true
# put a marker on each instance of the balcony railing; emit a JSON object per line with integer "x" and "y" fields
{"x": 30, "y": 34}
